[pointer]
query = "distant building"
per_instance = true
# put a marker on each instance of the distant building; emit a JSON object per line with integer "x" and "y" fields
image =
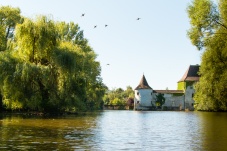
{"x": 143, "y": 95}
{"x": 180, "y": 99}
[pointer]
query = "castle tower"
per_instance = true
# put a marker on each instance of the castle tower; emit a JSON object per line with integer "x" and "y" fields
{"x": 143, "y": 95}
{"x": 189, "y": 78}
{"x": 186, "y": 84}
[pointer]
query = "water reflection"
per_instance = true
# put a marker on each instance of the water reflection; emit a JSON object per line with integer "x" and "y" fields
{"x": 18, "y": 132}
{"x": 214, "y": 134}
{"x": 116, "y": 130}
{"x": 149, "y": 130}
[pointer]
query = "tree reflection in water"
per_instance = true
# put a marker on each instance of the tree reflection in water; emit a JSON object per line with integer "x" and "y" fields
{"x": 116, "y": 130}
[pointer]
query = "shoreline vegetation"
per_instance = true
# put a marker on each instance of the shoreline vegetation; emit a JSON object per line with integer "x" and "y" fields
{"x": 47, "y": 114}
{"x": 83, "y": 113}
{"x": 62, "y": 114}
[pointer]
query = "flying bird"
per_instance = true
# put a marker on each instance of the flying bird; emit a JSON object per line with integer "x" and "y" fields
{"x": 107, "y": 64}
{"x": 106, "y": 25}
{"x": 82, "y": 15}
{"x": 138, "y": 18}
{"x": 95, "y": 26}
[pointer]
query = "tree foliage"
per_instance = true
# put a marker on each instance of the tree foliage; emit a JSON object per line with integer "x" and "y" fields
{"x": 9, "y": 17}
{"x": 49, "y": 66}
{"x": 159, "y": 99}
{"x": 118, "y": 96}
{"x": 209, "y": 32}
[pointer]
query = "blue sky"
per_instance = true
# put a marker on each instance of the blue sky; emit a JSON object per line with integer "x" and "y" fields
{"x": 156, "y": 45}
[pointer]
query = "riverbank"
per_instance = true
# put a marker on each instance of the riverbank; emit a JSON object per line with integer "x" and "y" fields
{"x": 43, "y": 114}
{"x": 127, "y": 107}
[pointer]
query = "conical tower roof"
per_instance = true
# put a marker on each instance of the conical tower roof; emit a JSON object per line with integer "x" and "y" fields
{"x": 143, "y": 84}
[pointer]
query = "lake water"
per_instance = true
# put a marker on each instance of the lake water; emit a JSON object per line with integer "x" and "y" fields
{"x": 117, "y": 130}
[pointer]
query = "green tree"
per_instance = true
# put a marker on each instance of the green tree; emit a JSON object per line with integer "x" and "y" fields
{"x": 9, "y": 17}
{"x": 129, "y": 92}
{"x": 159, "y": 100}
{"x": 50, "y": 70}
{"x": 89, "y": 71}
{"x": 118, "y": 96}
{"x": 71, "y": 32}
{"x": 209, "y": 32}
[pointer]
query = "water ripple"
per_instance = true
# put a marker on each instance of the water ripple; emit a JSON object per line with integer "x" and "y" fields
{"x": 118, "y": 130}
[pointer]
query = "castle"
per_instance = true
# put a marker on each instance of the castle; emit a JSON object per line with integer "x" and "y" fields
{"x": 180, "y": 99}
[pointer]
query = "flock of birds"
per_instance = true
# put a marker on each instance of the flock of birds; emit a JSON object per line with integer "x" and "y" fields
{"x": 106, "y": 24}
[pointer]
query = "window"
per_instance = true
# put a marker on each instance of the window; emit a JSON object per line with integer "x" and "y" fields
{"x": 151, "y": 93}
{"x": 138, "y": 102}
{"x": 138, "y": 93}
{"x": 192, "y": 95}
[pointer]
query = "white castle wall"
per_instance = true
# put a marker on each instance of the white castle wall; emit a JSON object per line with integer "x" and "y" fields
{"x": 189, "y": 102}
{"x": 174, "y": 101}
{"x": 143, "y": 98}
{"x": 171, "y": 101}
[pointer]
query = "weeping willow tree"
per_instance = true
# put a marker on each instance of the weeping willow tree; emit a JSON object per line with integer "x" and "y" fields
{"x": 9, "y": 17}
{"x": 49, "y": 66}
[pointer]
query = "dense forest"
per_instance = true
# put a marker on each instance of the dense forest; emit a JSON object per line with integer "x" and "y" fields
{"x": 46, "y": 65}
{"x": 209, "y": 33}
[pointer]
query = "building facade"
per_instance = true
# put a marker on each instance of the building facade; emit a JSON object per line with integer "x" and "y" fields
{"x": 180, "y": 99}
{"x": 143, "y": 95}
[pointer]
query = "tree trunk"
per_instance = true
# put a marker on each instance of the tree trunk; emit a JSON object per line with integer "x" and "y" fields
{"x": 45, "y": 95}
{"x": 7, "y": 33}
